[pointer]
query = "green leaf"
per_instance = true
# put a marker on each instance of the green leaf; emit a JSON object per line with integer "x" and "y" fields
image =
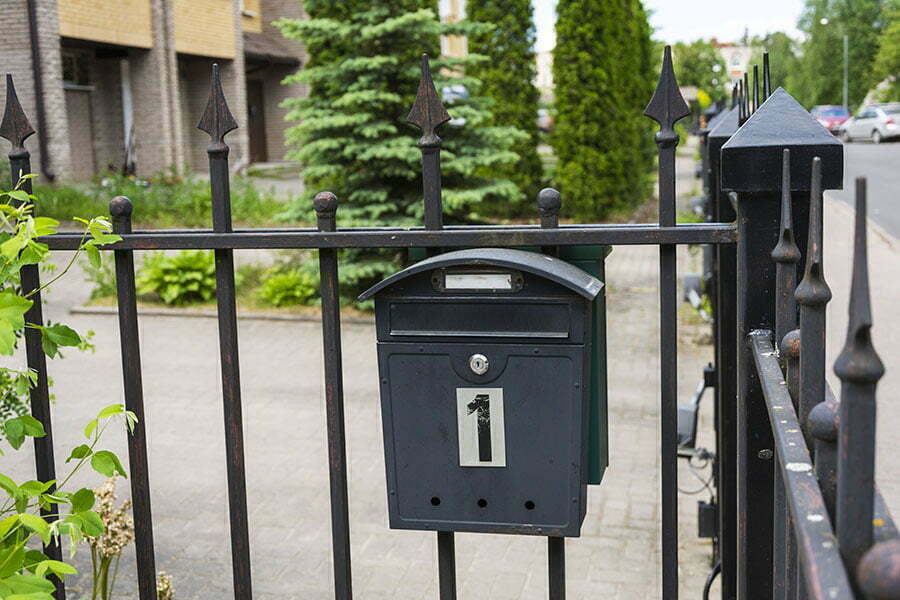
{"x": 36, "y": 488}
{"x": 12, "y": 559}
{"x": 9, "y": 486}
{"x": 33, "y": 557}
{"x": 12, "y": 319}
{"x": 62, "y": 335}
{"x": 15, "y": 432}
{"x": 112, "y": 409}
{"x": 107, "y": 463}
{"x": 79, "y": 452}
{"x": 37, "y": 525}
{"x": 93, "y": 255}
{"x": 82, "y": 500}
{"x": 87, "y": 522}
{"x": 25, "y": 585}
{"x": 20, "y": 195}
{"x": 33, "y": 427}
{"x": 56, "y": 567}
{"x": 89, "y": 428}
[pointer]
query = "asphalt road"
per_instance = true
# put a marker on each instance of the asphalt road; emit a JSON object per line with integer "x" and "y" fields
{"x": 880, "y": 165}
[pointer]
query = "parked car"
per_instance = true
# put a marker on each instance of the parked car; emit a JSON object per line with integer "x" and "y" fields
{"x": 876, "y": 122}
{"x": 831, "y": 117}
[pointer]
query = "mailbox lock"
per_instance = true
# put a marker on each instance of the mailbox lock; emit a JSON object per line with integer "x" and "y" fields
{"x": 479, "y": 364}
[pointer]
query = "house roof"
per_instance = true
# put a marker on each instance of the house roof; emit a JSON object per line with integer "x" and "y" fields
{"x": 259, "y": 46}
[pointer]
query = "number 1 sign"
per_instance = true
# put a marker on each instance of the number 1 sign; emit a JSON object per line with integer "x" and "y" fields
{"x": 479, "y": 414}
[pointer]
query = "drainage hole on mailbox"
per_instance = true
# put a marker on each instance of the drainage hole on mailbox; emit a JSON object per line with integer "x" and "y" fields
{"x": 482, "y": 502}
{"x": 435, "y": 501}
{"x": 529, "y": 505}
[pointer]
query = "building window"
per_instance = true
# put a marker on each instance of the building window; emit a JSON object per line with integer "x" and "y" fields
{"x": 75, "y": 68}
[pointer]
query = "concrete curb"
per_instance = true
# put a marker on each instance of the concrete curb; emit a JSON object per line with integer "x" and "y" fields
{"x": 874, "y": 227}
{"x": 211, "y": 314}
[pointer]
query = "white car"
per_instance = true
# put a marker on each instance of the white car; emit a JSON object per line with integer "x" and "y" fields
{"x": 876, "y": 122}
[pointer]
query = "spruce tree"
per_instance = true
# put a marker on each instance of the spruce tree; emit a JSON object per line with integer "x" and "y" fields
{"x": 508, "y": 78}
{"x": 603, "y": 75}
{"x": 351, "y": 136}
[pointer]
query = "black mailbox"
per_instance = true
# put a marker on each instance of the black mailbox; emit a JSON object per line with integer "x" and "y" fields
{"x": 483, "y": 358}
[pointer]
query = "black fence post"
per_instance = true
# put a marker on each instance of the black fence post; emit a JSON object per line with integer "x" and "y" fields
{"x": 16, "y": 128}
{"x": 752, "y": 163}
{"x": 859, "y": 369}
{"x": 120, "y": 209}
{"x": 724, "y": 275}
{"x": 217, "y": 121}
{"x": 666, "y": 107}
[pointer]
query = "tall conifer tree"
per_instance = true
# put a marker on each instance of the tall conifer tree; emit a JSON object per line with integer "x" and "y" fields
{"x": 351, "y": 135}
{"x": 508, "y": 77}
{"x": 602, "y": 71}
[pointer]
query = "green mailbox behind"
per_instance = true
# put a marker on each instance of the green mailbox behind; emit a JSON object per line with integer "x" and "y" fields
{"x": 590, "y": 259}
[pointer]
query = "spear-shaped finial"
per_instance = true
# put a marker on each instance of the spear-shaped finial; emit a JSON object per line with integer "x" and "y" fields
{"x": 734, "y": 95}
{"x": 15, "y": 126}
{"x": 814, "y": 290}
{"x": 217, "y": 120}
{"x": 786, "y": 250}
{"x": 858, "y": 362}
{"x": 667, "y": 105}
{"x": 745, "y": 100}
{"x": 767, "y": 77}
{"x": 427, "y": 112}
{"x": 786, "y": 255}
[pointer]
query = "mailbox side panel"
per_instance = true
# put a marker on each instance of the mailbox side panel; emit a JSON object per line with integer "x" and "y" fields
{"x": 540, "y": 490}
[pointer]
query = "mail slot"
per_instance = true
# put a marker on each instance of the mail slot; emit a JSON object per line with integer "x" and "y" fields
{"x": 484, "y": 365}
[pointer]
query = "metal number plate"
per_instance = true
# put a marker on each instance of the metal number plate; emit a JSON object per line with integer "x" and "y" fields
{"x": 482, "y": 440}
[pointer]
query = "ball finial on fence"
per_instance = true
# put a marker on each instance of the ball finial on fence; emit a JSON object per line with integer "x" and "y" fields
{"x": 823, "y": 421}
{"x": 326, "y": 205}
{"x": 120, "y": 207}
{"x": 879, "y": 571}
{"x": 549, "y": 202}
{"x": 790, "y": 345}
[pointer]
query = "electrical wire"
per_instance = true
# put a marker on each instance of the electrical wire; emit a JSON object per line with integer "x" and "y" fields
{"x": 704, "y": 461}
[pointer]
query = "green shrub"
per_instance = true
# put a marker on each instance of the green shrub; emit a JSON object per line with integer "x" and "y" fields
{"x": 102, "y": 278}
{"x": 188, "y": 277}
{"x": 290, "y": 288}
{"x": 170, "y": 198}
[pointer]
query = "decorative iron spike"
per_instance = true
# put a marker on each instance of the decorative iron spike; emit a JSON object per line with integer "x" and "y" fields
{"x": 814, "y": 290}
{"x": 15, "y": 126}
{"x": 755, "y": 88}
{"x": 767, "y": 77}
{"x": 217, "y": 120}
{"x": 427, "y": 112}
{"x": 667, "y": 105}
{"x": 786, "y": 251}
{"x": 740, "y": 101}
{"x": 858, "y": 362}
{"x": 734, "y": 95}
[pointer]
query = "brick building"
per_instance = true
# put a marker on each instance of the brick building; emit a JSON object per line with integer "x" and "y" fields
{"x": 103, "y": 79}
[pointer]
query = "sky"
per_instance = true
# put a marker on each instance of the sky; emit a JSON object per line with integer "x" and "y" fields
{"x": 687, "y": 20}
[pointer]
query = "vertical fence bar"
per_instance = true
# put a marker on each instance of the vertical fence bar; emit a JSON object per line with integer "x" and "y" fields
{"x": 755, "y": 88}
{"x": 859, "y": 369}
{"x": 790, "y": 355}
{"x": 16, "y": 128}
{"x": 666, "y": 107}
{"x": 326, "y": 205}
{"x": 812, "y": 295}
{"x": 217, "y": 121}
{"x": 726, "y": 357}
{"x": 786, "y": 255}
{"x": 556, "y": 566}
{"x": 428, "y": 113}
{"x": 549, "y": 203}
{"x": 767, "y": 77}
{"x": 120, "y": 209}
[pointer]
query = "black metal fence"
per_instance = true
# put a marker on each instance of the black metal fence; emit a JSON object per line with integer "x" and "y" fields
{"x": 761, "y": 500}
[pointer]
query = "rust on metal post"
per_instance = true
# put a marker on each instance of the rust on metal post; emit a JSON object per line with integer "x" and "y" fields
{"x": 326, "y": 204}
{"x": 879, "y": 571}
{"x": 120, "y": 209}
{"x": 789, "y": 351}
{"x": 767, "y": 77}
{"x": 812, "y": 295}
{"x": 217, "y": 121}
{"x": 428, "y": 113}
{"x": 786, "y": 255}
{"x": 16, "y": 128}
{"x": 666, "y": 107}
{"x": 859, "y": 369}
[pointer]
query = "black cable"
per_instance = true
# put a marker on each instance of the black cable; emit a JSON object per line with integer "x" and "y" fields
{"x": 709, "y": 580}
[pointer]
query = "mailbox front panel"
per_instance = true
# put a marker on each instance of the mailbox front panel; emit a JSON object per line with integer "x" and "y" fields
{"x": 497, "y": 452}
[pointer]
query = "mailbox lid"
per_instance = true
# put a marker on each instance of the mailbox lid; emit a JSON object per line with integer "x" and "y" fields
{"x": 546, "y": 267}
